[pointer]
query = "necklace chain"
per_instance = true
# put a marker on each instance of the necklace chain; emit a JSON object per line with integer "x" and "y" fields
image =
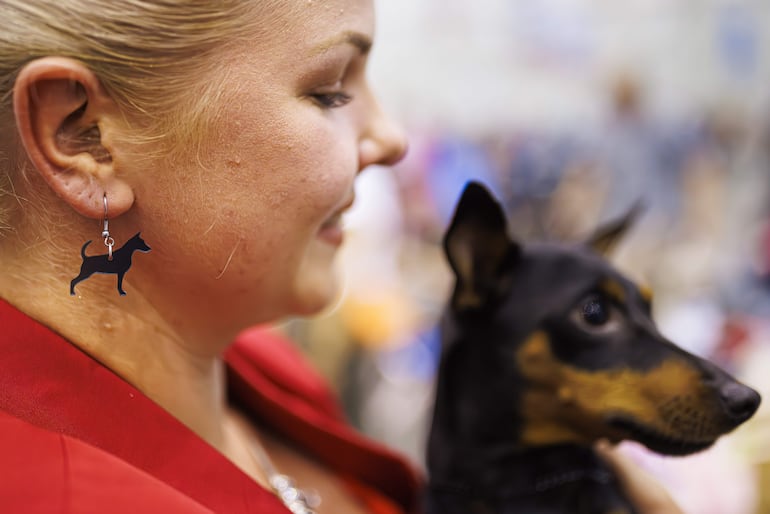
{"x": 298, "y": 501}
{"x": 295, "y": 499}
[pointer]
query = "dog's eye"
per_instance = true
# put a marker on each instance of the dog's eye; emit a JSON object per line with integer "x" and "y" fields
{"x": 597, "y": 314}
{"x": 596, "y": 311}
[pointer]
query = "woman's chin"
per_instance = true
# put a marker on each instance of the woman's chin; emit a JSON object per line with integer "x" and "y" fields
{"x": 316, "y": 283}
{"x": 316, "y": 294}
{"x": 311, "y": 306}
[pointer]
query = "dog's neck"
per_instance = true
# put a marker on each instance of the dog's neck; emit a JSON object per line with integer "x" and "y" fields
{"x": 477, "y": 425}
{"x": 470, "y": 413}
{"x": 520, "y": 472}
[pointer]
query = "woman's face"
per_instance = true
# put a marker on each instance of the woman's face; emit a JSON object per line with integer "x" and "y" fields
{"x": 249, "y": 231}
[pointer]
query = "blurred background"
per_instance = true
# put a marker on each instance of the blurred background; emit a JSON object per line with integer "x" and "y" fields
{"x": 571, "y": 111}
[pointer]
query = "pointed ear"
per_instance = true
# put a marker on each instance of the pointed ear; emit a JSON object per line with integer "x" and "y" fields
{"x": 479, "y": 249}
{"x": 607, "y": 237}
{"x": 65, "y": 121}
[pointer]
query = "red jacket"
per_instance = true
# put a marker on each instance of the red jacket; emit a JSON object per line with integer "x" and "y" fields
{"x": 76, "y": 438}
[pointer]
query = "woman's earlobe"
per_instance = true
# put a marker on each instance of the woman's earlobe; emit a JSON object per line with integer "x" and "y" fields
{"x": 60, "y": 108}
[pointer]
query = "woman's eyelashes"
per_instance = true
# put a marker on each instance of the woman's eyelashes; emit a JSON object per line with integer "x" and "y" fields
{"x": 332, "y": 99}
{"x": 332, "y": 85}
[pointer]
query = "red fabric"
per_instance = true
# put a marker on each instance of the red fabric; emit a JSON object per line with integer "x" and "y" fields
{"x": 296, "y": 401}
{"x": 44, "y": 472}
{"x": 117, "y": 433}
{"x": 373, "y": 501}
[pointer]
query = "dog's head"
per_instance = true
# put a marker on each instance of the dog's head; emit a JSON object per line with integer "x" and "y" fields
{"x": 137, "y": 243}
{"x": 553, "y": 344}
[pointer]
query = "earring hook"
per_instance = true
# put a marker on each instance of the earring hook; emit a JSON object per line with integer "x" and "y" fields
{"x": 109, "y": 242}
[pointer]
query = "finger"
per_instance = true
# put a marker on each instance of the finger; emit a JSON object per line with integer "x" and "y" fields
{"x": 645, "y": 491}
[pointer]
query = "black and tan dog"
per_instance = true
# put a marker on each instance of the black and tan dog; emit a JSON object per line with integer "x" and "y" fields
{"x": 117, "y": 265}
{"x": 547, "y": 349}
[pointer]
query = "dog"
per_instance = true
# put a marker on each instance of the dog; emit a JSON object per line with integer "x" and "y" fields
{"x": 118, "y": 265}
{"x": 546, "y": 348}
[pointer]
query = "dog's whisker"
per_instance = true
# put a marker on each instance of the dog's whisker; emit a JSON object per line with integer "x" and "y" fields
{"x": 230, "y": 258}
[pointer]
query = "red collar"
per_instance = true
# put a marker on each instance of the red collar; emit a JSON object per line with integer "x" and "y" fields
{"x": 50, "y": 383}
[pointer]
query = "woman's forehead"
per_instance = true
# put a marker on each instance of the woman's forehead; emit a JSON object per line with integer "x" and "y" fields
{"x": 315, "y": 25}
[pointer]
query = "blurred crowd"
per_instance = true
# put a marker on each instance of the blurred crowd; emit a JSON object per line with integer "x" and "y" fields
{"x": 701, "y": 177}
{"x": 702, "y": 245}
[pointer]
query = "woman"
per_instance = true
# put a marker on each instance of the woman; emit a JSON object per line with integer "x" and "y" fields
{"x": 209, "y": 150}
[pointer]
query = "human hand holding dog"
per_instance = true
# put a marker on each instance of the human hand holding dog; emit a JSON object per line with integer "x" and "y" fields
{"x": 644, "y": 491}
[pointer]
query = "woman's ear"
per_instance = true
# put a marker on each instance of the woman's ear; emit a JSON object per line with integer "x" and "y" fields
{"x": 66, "y": 122}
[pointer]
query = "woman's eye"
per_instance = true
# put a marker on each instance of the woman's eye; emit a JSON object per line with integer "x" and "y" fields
{"x": 596, "y": 312}
{"x": 332, "y": 100}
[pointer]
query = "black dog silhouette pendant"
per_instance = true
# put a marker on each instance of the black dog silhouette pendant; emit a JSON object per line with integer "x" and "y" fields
{"x": 117, "y": 262}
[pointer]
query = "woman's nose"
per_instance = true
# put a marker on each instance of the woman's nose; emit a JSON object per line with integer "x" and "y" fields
{"x": 383, "y": 141}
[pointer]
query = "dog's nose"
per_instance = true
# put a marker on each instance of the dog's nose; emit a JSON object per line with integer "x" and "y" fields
{"x": 740, "y": 401}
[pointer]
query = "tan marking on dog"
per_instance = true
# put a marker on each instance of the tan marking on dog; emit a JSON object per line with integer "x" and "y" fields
{"x": 566, "y": 404}
{"x": 614, "y": 290}
{"x": 646, "y": 292}
{"x": 566, "y": 396}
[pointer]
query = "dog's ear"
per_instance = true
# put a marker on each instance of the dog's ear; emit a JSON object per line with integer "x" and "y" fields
{"x": 478, "y": 248}
{"x": 607, "y": 237}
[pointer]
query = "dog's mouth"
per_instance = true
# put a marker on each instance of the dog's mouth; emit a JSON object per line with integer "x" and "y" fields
{"x": 657, "y": 442}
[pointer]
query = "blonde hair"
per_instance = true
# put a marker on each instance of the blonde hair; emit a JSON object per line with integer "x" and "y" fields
{"x": 154, "y": 57}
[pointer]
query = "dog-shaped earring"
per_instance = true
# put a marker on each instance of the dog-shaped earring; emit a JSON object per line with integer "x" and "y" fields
{"x": 117, "y": 263}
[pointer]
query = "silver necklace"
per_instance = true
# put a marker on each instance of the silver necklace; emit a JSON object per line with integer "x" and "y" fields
{"x": 298, "y": 501}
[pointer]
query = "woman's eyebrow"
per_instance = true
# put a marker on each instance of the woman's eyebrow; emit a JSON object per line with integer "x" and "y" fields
{"x": 360, "y": 41}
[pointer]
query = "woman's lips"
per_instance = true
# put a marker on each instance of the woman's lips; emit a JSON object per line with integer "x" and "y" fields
{"x": 331, "y": 231}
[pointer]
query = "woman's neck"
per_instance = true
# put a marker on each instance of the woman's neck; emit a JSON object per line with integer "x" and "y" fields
{"x": 130, "y": 338}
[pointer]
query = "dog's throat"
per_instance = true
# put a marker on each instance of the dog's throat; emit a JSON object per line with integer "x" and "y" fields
{"x": 522, "y": 485}
{"x": 526, "y": 473}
